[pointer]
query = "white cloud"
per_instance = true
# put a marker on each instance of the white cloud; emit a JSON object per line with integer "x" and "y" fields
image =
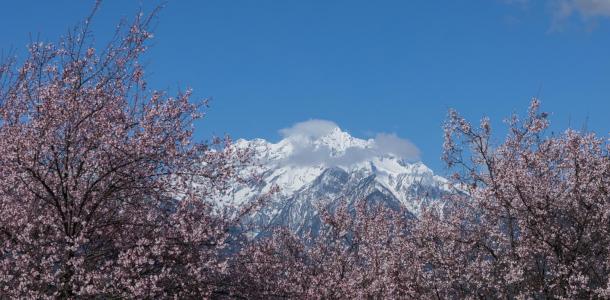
{"x": 562, "y": 10}
{"x": 586, "y": 8}
{"x": 311, "y": 129}
{"x": 391, "y": 143}
{"x": 306, "y": 153}
{"x": 588, "y": 11}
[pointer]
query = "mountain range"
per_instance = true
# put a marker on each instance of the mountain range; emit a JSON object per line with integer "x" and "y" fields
{"x": 320, "y": 169}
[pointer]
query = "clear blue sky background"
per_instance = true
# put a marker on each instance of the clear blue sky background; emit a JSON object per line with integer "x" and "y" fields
{"x": 369, "y": 66}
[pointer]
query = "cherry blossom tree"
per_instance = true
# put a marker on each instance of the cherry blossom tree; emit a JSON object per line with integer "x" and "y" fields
{"x": 365, "y": 251}
{"x": 102, "y": 188}
{"x": 534, "y": 220}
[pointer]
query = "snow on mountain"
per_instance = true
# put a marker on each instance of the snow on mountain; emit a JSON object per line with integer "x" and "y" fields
{"x": 321, "y": 167}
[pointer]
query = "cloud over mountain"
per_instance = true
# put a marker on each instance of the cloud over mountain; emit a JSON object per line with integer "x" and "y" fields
{"x": 321, "y": 142}
{"x": 309, "y": 129}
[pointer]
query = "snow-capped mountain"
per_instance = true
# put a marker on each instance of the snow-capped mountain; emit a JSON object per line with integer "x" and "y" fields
{"x": 315, "y": 169}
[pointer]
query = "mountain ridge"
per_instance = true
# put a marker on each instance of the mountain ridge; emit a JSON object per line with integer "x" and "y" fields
{"x": 312, "y": 170}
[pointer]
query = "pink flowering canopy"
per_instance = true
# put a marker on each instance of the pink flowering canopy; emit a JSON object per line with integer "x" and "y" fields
{"x": 92, "y": 164}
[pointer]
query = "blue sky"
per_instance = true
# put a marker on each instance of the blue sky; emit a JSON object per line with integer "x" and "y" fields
{"x": 370, "y": 66}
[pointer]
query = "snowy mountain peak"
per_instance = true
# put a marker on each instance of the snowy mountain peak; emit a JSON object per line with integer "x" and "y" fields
{"x": 317, "y": 162}
{"x": 322, "y": 143}
{"x": 340, "y": 140}
{"x": 335, "y": 141}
